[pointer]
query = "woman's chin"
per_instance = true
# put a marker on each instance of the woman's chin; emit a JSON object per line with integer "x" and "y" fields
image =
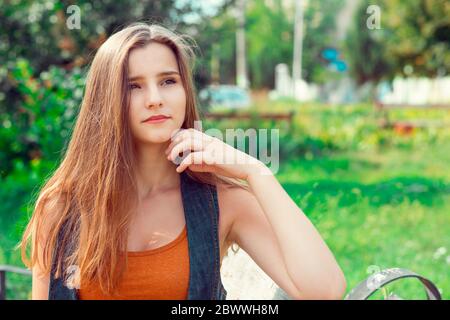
{"x": 156, "y": 139}
{"x": 155, "y": 135}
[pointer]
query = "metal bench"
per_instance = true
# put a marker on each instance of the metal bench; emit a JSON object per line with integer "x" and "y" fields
{"x": 369, "y": 286}
{"x": 3, "y": 270}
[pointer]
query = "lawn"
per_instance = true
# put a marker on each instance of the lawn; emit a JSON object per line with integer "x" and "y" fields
{"x": 379, "y": 199}
{"x": 378, "y": 211}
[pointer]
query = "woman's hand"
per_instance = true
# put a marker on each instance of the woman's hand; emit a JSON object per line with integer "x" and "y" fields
{"x": 209, "y": 154}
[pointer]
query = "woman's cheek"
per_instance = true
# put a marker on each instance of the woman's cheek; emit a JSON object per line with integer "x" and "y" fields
{"x": 175, "y": 99}
{"x": 181, "y": 100}
{"x": 134, "y": 115}
{"x": 134, "y": 99}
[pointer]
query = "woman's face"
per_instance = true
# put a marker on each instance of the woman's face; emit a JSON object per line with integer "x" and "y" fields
{"x": 155, "y": 89}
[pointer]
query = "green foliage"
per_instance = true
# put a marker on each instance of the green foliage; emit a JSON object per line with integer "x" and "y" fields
{"x": 37, "y": 31}
{"x": 269, "y": 40}
{"x": 368, "y": 59}
{"x": 413, "y": 40}
{"x": 43, "y": 123}
{"x": 216, "y": 49}
{"x": 33, "y": 141}
{"x": 319, "y": 32}
{"x": 417, "y": 33}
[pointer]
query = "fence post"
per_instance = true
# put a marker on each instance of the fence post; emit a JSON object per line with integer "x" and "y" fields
{"x": 3, "y": 270}
{"x": 2, "y": 285}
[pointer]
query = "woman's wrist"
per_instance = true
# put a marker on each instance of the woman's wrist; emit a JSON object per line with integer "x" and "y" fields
{"x": 257, "y": 169}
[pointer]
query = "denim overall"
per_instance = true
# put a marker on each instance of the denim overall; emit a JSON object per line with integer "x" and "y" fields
{"x": 201, "y": 211}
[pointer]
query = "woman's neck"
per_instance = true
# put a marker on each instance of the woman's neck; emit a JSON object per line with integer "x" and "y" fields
{"x": 154, "y": 173}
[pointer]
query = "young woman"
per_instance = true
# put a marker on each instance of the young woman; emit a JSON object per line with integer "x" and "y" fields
{"x": 119, "y": 219}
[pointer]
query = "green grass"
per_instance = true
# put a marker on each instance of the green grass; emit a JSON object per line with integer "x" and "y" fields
{"x": 383, "y": 209}
{"x": 379, "y": 198}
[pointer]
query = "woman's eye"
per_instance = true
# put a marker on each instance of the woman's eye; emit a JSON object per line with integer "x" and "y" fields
{"x": 169, "y": 81}
{"x": 134, "y": 86}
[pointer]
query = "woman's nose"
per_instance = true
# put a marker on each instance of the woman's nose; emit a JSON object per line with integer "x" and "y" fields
{"x": 154, "y": 98}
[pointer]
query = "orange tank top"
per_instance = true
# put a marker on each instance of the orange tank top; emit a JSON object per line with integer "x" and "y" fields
{"x": 156, "y": 274}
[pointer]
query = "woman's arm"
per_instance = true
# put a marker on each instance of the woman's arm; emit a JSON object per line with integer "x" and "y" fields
{"x": 40, "y": 279}
{"x": 40, "y": 285}
{"x": 308, "y": 261}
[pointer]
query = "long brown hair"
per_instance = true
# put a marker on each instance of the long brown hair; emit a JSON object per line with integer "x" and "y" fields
{"x": 94, "y": 185}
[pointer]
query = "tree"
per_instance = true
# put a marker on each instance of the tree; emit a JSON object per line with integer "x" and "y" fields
{"x": 269, "y": 39}
{"x": 417, "y": 33}
{"x": 365, "y": 52}
{"x": 319, "y": 32}
{"x": 413, "y": 40}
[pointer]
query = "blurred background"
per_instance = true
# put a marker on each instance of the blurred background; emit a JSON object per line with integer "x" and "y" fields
{"x": 359, "y": 90}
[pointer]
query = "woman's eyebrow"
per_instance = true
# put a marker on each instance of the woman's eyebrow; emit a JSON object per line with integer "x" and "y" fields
{"x": 161, "y": 74}
{"x": 167, "y": 73}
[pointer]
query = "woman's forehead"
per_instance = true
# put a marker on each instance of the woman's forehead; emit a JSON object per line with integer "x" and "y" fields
{"x": 151, "y": 60}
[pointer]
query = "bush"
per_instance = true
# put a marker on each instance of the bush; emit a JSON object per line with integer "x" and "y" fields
{"x": 43, "y": 124}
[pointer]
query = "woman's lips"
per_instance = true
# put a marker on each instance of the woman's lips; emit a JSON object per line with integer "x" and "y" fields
{"x": 157, "y": 119}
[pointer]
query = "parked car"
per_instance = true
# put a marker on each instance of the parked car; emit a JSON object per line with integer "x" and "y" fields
{"x": 224, "y": 96}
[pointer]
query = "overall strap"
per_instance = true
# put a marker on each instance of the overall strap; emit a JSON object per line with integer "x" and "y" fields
{"x": 202, "y": 220}
{"x": 58, "y": 290}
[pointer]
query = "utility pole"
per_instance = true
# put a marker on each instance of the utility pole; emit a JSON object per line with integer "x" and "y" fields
{"x": 298, "y": 47}
{"x": 241, "y": 68}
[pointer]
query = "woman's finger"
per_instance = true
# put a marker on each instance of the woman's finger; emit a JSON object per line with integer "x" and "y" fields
{"x": 175, "y": 139}
{"x": 186, "y": 145}
{"x": 198, "y": 158}
{"x": 188, "y": 134}
{"x": 192, "y": 158}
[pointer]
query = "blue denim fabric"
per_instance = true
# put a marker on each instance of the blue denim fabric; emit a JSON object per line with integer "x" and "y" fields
{"x": 201, "y": 212}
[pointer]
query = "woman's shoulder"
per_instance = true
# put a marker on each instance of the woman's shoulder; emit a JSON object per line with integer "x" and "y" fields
{"x": 51, "y": 209}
